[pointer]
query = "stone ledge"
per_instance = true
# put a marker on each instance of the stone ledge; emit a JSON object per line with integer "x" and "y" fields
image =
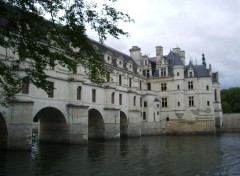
{"x": 77, "y": 106}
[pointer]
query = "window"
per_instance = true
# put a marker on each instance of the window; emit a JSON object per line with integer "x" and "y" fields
{"x": 79, "y": 93}
{"x": 51, "y": 65}
{"x": 191, "y": 101}
{"x": 93, "y": 95}
{"x": 149, "y": 86}
{"x": 140, "y": 101}
{"x": 163, "y": 86}
{"x": 51, "y": 90}
{"x": 130, "y": 82}
{"x": 207, "y": 87}
{"x": 140, "y": 85}
{"x": 145, "y": 104}
{"x": 120, "y": 80}
{"x": 178, "y": 103}
{"x": 164, "y": 102}
{"x": 148, "y": 73}
{"x": 163, "y": 72}
{"x": 158, "y": 105}
{"x": 190, "y": 74}
{"x": 167, "y": 119}
{"x": 190, "y": 85}
{"x": 113, "y": 98}
{"x": 144, "y": 116}
{"x": 157, "y": 112}
{"x": 177, "y": 73}
{"x": 141, "y": 114}
{"x": 108, "y": 76}
{"x": 134, "y": 101}
{"x": 25, "y": 86}
{"x": 120, "y": 99}
{"x": 215, "y": 95}
{"x": 208, "y": 103}
{"x": 178, "y": 87}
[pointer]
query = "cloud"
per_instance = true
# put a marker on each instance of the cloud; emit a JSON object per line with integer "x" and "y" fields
{"x": 199, "y": 26}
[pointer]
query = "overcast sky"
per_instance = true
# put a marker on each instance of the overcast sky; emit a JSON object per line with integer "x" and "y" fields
{"x": 211, "y": 27}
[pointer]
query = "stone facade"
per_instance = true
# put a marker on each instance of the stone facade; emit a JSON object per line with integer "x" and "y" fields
{"x": 142, "y": 96}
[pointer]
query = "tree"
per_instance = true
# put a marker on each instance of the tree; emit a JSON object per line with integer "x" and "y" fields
{"x": 230, "y": 100}
{"x": 61, "y": 39}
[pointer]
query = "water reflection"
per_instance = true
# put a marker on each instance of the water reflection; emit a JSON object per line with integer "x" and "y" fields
{"x": 159, "y": 155}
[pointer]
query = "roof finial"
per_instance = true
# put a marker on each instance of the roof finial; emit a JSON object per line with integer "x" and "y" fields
{"x": 203, "y": 60}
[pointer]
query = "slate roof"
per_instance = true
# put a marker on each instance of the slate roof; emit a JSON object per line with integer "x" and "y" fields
{"x": 174, "y": 59}
{"x": 201, "y": 71}
{"x": 115, "y": 54}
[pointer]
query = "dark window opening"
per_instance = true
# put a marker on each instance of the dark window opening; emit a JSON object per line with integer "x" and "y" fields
{"x": 79, "y": 93}
{"x": 93, "y": 95}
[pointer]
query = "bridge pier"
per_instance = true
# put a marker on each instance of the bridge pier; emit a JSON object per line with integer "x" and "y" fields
{"x": 134, "y": 123}
{"x": 112, "y": 124}
{"x": 78, "y": 124}
{"x": 20, "y": 125}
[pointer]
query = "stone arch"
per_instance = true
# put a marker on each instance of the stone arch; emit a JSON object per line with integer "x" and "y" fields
{"x": 96, "y": 127}
{"x": 123, "y": 125}
{"x": 3, "y": 133}
{"x": 53, "y": 127}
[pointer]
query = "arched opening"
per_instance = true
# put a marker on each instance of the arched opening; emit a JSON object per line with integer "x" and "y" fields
{"x": 3, "y": 133}
{"x": 53, "y": 126}
{"x": 123, "y": 125}
{"x": 96, "y": 127}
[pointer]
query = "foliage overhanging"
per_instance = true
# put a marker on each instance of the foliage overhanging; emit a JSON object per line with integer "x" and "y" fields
{"x": 24, "y": 32}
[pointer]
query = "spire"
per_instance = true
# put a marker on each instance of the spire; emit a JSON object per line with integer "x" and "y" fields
{"x": 203, "y": 60}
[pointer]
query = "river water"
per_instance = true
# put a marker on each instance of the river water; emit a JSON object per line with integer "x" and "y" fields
{"x": 156, "y": 155}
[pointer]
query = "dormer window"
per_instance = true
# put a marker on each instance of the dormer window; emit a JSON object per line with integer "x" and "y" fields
{"x": 129, "y": 66}
{"x": 146, "y": 62}
{"x": 108, "y": 57}
{"x": 139, "y": 70}
{"x": 190, "y": 73}
{"x": 119, "y": 62}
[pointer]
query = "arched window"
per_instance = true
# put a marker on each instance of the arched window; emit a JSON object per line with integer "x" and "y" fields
{"x": 79, "y": 93}
{"x": 113, "y": 97}
{"x": 134, "y": 101}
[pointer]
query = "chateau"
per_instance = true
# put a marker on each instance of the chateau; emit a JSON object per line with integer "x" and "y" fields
{"x": 141, "y": 96}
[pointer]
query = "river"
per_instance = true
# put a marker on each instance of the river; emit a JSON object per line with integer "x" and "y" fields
{"x": 155, "y": 155}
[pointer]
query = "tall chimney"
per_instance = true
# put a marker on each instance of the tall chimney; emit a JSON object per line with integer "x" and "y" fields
{"x": 135, "y": 54}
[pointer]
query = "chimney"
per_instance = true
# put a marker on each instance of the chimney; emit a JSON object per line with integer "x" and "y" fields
{"x": 135, "y": 54}
{"x": 159, "y": 53}
{"x": 182, "y": 56}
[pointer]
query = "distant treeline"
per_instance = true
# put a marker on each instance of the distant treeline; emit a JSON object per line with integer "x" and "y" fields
{"x": 230, "y": 100}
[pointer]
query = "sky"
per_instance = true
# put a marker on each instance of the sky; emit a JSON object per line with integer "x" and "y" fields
{"x": 211, "y": 27}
